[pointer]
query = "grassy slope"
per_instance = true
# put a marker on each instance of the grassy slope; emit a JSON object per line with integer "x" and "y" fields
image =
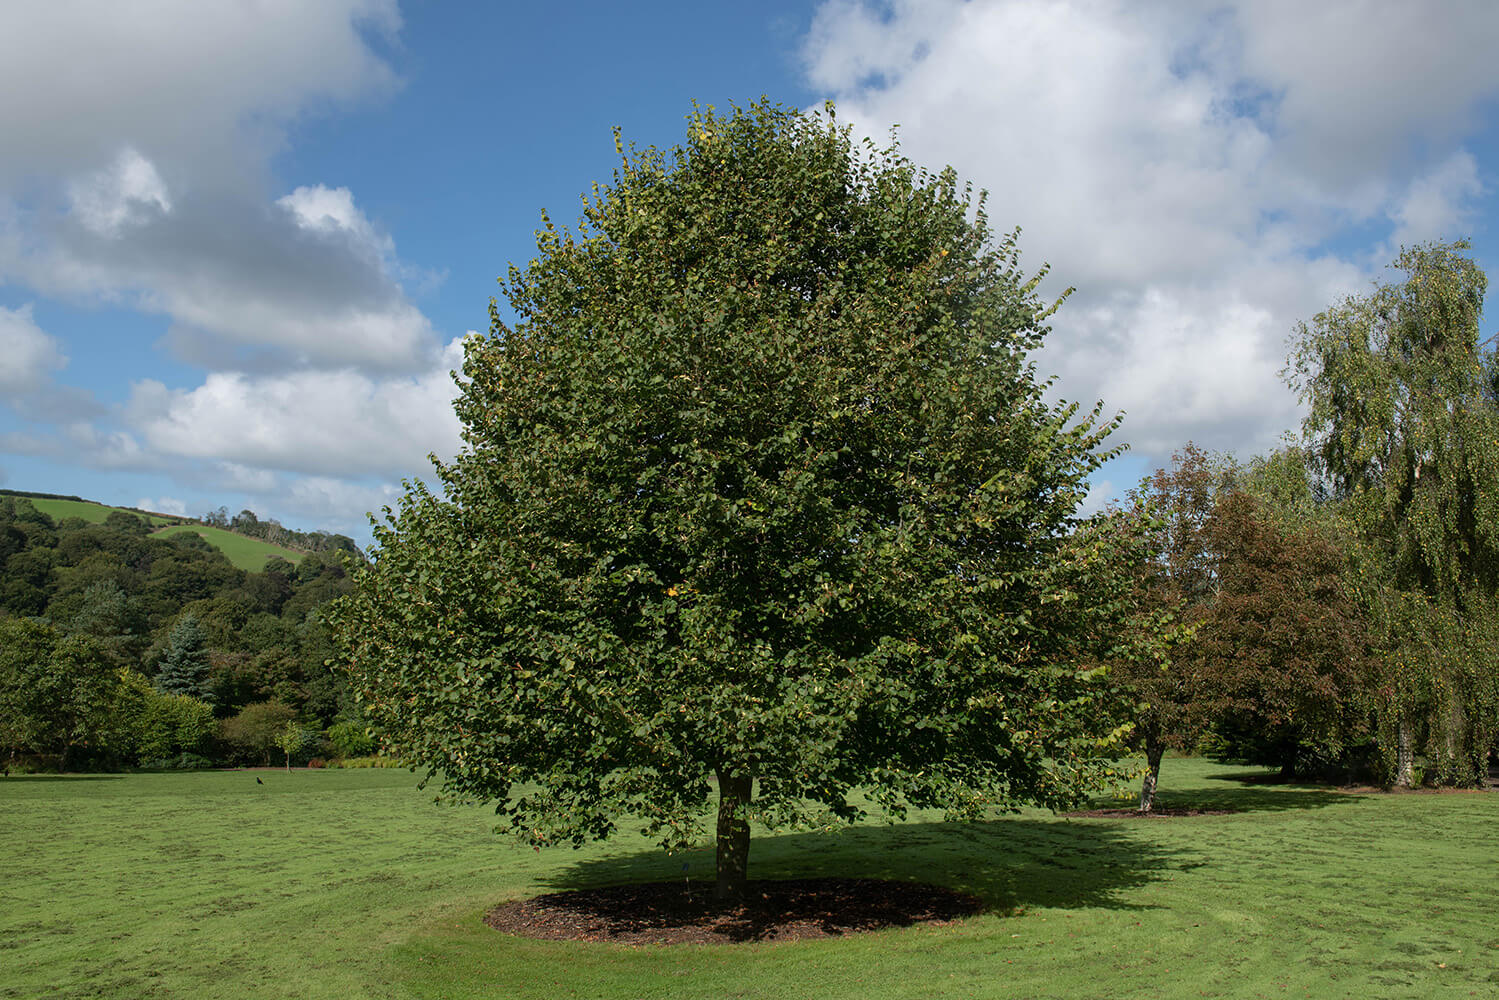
{"x": 86, "y": 509}
{"x": 247, "y": 553}
{"x": 351, "y": 884}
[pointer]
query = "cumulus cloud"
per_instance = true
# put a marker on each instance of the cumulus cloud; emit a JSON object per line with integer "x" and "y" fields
{"x": 323, "y": 423}
{"x": 136, "y": 174}
{"x": 1437, "y": 202}
{"x": 203, "y": 85}
{"x": 126, "y": 193}
{"x": 28, "y": 356}
{"x": 306, "y": 280}
{"x": 1184, "y": 167}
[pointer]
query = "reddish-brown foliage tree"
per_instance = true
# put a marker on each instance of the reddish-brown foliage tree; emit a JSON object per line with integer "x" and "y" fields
{"x": 1280, "y": 651}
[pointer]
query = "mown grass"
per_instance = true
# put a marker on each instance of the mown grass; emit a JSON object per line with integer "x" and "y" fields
{"x": 94, "y": 513}
{"x": 249, "y": 554}
{"x": 351, "y": 884}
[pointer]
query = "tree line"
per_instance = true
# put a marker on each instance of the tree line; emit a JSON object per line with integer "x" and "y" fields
{"x": 119, "y": 648}
{"x": 271, "y": 530}
{"x": 1337, "y": 602}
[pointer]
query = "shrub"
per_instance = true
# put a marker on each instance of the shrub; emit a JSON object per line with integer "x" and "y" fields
{"x": 181, "y": 762}
{"x": 351, "y": 738}
{"x": 252, "y": 734}
{"x": 156, "y": 726}
{"x": 372, "y": 761}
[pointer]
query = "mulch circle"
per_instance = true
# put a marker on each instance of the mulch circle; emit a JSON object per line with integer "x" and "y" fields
{"x": 1159, "y": 812}
{"x": 685, "y": 913}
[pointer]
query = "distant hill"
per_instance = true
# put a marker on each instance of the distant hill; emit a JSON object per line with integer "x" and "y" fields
{"x": 106, "y": 589}
{"x": 249, "y": 554}
{"x": 243, "y": 551}
{"x": 58, "y": 508}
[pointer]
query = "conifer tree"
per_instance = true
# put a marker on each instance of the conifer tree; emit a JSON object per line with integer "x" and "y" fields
{"x": 185, "y": 668}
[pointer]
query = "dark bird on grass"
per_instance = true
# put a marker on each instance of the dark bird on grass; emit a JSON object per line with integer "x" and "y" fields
{"x": 259, "y": 782}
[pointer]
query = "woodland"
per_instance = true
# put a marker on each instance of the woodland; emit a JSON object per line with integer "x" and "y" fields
{"x": 120, "y": 649}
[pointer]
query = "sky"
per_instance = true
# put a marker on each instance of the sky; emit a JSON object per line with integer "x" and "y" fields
{"x": 242, "y": 241}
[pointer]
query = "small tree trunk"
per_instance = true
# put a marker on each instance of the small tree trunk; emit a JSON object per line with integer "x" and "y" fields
{"x": 733, "y": 836}
{"x": 1153, "y": 753}
{"x": 288, "y": 762}
{"x": 1405, "y": 757}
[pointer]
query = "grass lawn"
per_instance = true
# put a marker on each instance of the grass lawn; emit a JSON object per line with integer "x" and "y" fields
{"x": 250, "y": 554}
{"x": 352, "y": 884}
{"x": 94, "y": 513}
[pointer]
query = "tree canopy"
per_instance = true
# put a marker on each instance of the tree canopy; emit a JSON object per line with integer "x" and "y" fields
{"x": 760, "y": 490}
{"x": 1403, "y": 419}
{"x": 1174, "y": 581}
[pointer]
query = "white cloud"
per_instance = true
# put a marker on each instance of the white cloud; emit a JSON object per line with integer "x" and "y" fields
{"x": 1360, "y": 84}
{"x": 164, "y": 505}
{"x": 126, "y": 193}
{"x": 248, "y": 285}
{"x": 243, "y": 478}
{"x": 341, "y": 500}
{"x": 206, "y": 85}
{"x": 1438, "y": 202}
{"x": 1100, "y": 493}
{"x": 327, "y": 423}
{"x": 1183, "y": 166}
{"x": 138, "y": 138}
{"x": 28, "y": 356}
{"x": 320, "y": 209}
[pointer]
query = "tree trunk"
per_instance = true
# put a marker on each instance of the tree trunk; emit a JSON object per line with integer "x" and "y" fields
{"x": 1405, "y": 757}
{"x": 733, "y": 836}
{"x": 1153, "y": 753}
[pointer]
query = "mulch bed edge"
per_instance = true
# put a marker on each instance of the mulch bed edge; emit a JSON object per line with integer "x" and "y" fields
{"x": 773, "y": 910}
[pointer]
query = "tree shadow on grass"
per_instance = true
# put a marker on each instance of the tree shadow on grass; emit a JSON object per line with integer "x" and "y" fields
{"x": 1257, "y": 797}
{"x": 1010, "y": 864}
{"x": 33, "y": 778}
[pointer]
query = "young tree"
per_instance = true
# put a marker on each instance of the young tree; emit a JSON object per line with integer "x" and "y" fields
{"x": 293, "y": 738}
{"x": 1404, "y": 421}
{"x": 760, "y": 491}
{"x": 1175, "y": 582}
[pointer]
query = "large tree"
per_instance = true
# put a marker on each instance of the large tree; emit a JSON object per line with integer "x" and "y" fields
{"x": 1403, "y": 418}
{"x": 758, "y": 491}
{"x": 57, "y": 692}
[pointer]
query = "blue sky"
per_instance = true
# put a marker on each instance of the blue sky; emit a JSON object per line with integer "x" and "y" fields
{"x": 240, "y": 242}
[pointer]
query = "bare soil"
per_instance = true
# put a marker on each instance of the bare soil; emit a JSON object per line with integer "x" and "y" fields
{"x": 685, "y": 913}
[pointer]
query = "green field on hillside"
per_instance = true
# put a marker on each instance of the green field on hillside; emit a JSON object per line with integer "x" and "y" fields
{"x": 352, "y": 884}
{"x": 248, "y": 554}
{"x": 94, "y": 513}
